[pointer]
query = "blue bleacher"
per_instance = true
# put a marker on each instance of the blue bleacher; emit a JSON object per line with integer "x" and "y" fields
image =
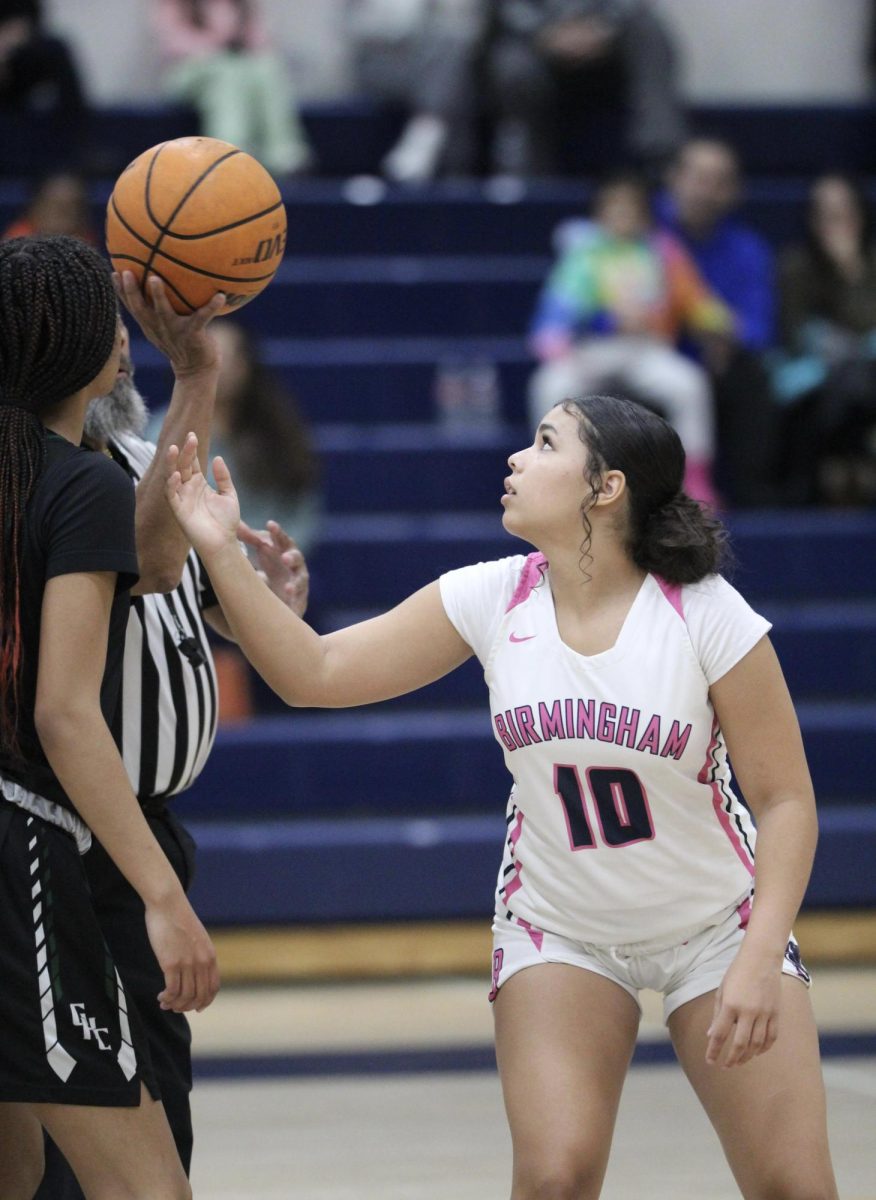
{"x": 812, "y": 556}
{"x": 427, "y": 297}
{"x": 351, "y": 136}
{"x": 426, "y": 868}
{"x": 398, "y": 811}
{"x": 440, "y": 762}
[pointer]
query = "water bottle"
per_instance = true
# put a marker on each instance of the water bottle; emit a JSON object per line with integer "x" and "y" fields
{"x": 450, "y": 392}
{"x": 483, "y": 393}
{"x": 466, "y": 392}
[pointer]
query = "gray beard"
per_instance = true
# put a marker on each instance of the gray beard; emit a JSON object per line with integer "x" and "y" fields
{"x": 122, "y": 411}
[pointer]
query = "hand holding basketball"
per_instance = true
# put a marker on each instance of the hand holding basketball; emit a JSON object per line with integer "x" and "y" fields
{"x": 201, "y": 215}
{"x": 184, "y": 341}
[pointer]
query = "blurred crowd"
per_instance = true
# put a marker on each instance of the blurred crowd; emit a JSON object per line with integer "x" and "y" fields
{"x": 484, "y": 84}
{"x": 765, "y": 362}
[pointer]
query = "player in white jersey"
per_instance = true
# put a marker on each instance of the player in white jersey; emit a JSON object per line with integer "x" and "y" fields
{"x": 620, "y": 667}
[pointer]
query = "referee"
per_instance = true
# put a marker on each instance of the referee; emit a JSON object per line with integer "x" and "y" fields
{"x": 166, "y": 722}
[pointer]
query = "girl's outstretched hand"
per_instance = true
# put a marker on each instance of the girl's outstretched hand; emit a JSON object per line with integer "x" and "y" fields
{"x": 208, "y": 518}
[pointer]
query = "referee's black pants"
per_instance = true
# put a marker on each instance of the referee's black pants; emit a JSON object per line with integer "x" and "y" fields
{"x": 121, "y": 915}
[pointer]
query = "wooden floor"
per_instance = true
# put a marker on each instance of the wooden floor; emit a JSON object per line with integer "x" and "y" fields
{"x": 442, "y": 1135}
{"x": 287, "y": 953}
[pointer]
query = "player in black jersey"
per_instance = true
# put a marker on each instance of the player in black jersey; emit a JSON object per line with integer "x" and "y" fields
{"x": 72, "y": 1056}
{"x": 166, "y": 722}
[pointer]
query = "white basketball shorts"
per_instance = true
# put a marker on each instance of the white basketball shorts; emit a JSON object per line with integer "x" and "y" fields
{"x": 681, "y": 973}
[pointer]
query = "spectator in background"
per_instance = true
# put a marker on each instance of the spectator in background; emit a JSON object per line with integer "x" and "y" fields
{"x": 420, "y": 53}
{"x": 220, "y": 60}
{"x": 543, "y": 54}
{"x": 258, "y": 430}
{"x": 58, "y": 204}
{"x": 699, "y": 207}
{"x": 38, "y": 74}
{"x": 611, "y": 313}
{"x": 826, "y": 376}
{"x": 260, "y": 433}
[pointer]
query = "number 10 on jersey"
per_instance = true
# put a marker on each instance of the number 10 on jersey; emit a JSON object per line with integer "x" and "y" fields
{"x": 618, "y": 798}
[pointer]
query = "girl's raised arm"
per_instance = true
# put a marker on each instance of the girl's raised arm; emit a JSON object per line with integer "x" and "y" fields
{"x": 400, "y": 651}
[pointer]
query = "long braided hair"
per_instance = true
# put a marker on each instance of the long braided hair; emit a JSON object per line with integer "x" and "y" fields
{"x": 58, "y": 318}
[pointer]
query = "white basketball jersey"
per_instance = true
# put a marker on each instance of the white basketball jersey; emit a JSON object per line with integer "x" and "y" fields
{"x": 622, "y": 825}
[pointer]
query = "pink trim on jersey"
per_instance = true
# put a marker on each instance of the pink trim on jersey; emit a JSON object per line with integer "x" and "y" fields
{"x": 536, "y": 934}
{"x": 743, "y": 912}
{"x": 723, "y": 816}
{"x": 514, "y": 835}
{"x": 531, "y": 575}
{"x": 515, "y": 885}
{"x": 718, "y": 804}
{"x": 672, "y": 592}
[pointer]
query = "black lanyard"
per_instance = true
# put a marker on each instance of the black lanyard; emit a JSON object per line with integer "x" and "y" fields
{"x": 187, "y": 645}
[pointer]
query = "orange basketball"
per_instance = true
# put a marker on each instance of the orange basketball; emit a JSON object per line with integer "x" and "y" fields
{"x": 203, "y": 216}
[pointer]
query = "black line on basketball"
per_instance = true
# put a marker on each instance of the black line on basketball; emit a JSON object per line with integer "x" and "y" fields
{"x": 152, "y": 271}
{"x": 192, "y": 237}
{"x": 197, "y": 183}
{"x": 130, "y": 228}
{"x": 146, "y": 200}
{"x": 147, "y": 196}
{"x": 213, "y": 274}
{"x": 149, "y": 213}
{"x": 148, "y": 206}
{"x": 129, "y": 258}
{"x": 179, "y": 262}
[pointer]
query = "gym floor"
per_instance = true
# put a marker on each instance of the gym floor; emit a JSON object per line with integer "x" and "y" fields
{"x": 354, "y": 1091}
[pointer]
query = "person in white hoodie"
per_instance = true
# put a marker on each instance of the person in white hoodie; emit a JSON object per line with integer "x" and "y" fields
{"x": 420, "y": 54}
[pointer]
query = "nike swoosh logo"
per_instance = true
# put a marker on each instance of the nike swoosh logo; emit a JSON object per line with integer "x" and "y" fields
{"x": 515, "y": 638}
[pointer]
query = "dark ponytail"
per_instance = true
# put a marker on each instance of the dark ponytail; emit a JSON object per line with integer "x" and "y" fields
{"x": 669, "y": 534}
{"x": 58, "y": 319}
{"x": 681, "y": 542}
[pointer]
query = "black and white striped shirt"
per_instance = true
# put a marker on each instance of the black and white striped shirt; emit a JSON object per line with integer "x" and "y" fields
{"x": 166, "y": 721}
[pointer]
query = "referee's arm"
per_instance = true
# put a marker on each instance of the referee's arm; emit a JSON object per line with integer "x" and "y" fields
{"x": 162, "y": 547}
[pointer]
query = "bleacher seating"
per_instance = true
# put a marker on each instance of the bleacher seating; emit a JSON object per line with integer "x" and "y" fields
{"x": 351, "y": 136}
{"x": 398, "y": 812}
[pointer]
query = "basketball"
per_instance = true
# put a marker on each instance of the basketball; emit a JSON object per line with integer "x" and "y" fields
{"x": 201, "y": 215}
